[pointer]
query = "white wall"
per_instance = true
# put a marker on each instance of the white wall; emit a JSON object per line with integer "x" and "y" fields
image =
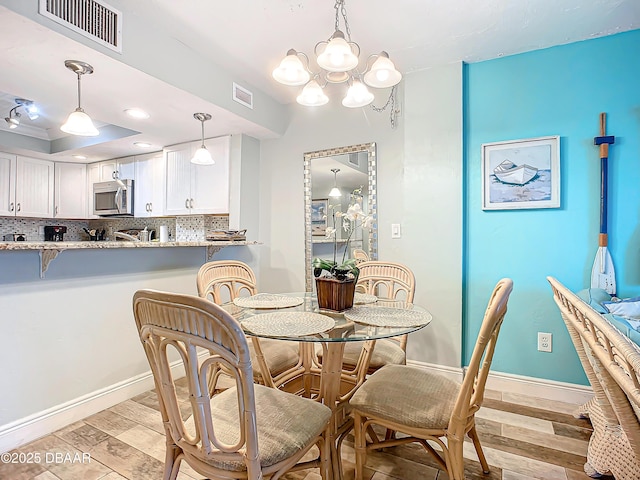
{"x": 419, "y": 186}
{"x": 72, "y": 333}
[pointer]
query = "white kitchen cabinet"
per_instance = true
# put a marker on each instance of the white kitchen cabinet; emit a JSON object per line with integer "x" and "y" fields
{"x": 197, "y": 189}
{"x": 7, "y": 184}
{"x": 123, "y": 168}
{"x": 34, "y": 188}
{"x": 149, "y": 185}
{"x": 70, "y": 190}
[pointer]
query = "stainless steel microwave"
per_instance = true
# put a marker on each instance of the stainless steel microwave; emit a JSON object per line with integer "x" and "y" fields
{"x": 113, "y": 198}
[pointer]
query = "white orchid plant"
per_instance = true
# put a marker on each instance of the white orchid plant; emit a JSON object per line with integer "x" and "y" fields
{"x": 352, "y": 219}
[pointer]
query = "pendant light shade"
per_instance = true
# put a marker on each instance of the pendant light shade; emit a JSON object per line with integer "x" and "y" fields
{"x": 335, "y": 191}
{"x": 202, "y": 155}
{"x": 78, "y": 122}
{"x": 312, "y": 95}
{"x": 383, "y": 73}
{"x": 291, "y": 71}
{"x": 337, "y": 55}
{"x": 358, "y": 95}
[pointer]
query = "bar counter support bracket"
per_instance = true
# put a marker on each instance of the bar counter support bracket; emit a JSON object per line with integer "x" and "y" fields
{"x": 46, "y": 256}
{"x": 212, "y": 250}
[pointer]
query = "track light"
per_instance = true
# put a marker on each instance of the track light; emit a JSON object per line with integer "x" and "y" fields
{"x": 202, "y": 155}
{"x": 78, "y": 122}
{"x": 29, "y": 107}
{"x": 13, "y": 120}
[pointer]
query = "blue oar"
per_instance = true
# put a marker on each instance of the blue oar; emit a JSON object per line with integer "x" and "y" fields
{"x": 603, "y": 274}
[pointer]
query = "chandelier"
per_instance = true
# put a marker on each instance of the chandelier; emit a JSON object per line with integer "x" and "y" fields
{"x": 338, "y": 59}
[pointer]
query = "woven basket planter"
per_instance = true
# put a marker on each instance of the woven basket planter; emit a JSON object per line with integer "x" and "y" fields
{"x": 336, "y": 295}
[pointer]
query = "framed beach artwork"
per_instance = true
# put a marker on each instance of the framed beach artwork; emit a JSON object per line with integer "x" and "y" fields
{"x": 521, "y": 174}
{"x": 319, "y": 216}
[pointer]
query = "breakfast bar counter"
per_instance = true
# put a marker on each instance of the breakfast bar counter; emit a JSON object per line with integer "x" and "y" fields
{"x": 50, "y": 250}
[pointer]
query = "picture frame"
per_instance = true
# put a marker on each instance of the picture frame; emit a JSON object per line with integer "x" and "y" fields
{"x": 319, "y": 216}
{"x": 521, "y": 174}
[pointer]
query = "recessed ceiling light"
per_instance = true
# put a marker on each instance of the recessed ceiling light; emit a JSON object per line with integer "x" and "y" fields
{"x": 136, "y": 113}
{"x": 142, "y": 144}
{"x": 79, "y": 157}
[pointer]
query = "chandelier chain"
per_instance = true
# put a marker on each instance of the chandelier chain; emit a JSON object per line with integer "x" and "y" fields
{"x": 341, "y": 9}
{"x": 391, "y": 102}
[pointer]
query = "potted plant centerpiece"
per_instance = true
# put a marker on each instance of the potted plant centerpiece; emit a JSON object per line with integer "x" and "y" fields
{"x": 336, "y": 282}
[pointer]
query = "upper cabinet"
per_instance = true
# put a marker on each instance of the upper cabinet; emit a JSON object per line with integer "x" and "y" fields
{"x": 70, "y": 180}
{"x": 122, "y": 168}
{"x": 7, "y": 184}
{"x": 197, "y": 189}
{"x": 149, "y": 185}
{"x": 33, "y": 188}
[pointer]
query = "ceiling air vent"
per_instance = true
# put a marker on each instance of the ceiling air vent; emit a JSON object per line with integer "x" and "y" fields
{"x": 242, "y": 95}
{"x": 93, "y": 19}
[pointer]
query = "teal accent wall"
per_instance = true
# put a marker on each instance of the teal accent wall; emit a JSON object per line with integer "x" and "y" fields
{"x": 556, "y": 91}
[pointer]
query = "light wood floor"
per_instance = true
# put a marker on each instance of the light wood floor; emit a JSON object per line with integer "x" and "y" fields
{"x": 523, "y": 438}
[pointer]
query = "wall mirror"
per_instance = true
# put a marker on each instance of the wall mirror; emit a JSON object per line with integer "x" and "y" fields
{"x": 347, "y": 169}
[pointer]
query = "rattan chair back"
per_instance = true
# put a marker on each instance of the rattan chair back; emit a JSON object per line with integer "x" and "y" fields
{"x": 423, "y": 410}
{"x": 612, "y": 365}
{"x": 205, "y": 338}
{"x": 225, "y": 280}
{"x": 387, "y": 280}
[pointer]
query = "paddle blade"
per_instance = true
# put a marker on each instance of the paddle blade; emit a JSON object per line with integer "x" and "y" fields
{"x": 603, "y": 274}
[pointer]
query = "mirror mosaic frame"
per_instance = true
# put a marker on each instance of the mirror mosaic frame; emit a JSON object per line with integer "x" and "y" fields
{"x": 370, "y": 148}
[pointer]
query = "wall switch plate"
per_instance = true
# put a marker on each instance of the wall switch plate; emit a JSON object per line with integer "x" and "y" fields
{"x": 395, "y": 230}
{"x": 544, "y": 342}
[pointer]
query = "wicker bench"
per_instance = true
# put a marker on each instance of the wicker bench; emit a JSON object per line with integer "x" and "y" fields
{"x": 612, "y": 364}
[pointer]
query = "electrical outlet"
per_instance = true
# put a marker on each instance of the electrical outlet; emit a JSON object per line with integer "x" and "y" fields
{"x": 544, "y": 342}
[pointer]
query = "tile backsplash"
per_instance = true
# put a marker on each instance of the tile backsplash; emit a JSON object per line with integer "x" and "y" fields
{"x": 185, "y": 229}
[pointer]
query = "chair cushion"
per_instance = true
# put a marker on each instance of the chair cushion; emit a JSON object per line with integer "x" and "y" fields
{"x": 286, "y": 423}
{"x": 279, "y": 355}
{"x": 386, "y": 352}
{"x": 408, "y": 395}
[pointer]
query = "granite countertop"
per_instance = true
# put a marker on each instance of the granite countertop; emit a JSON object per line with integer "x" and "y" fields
{"x": 49, "y": 250}
{"x": 114, "y": 244}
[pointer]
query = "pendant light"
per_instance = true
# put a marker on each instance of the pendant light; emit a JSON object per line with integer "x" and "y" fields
{"x": 335, "y": 191}
{"x": 202, "y": 155}
{"x": 78, "y": 122}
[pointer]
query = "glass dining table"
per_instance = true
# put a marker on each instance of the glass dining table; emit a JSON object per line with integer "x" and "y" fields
{"x": 322, "y": 336}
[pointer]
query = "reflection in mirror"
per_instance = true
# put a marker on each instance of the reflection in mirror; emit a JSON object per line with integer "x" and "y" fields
{"x": 327, "y": 173}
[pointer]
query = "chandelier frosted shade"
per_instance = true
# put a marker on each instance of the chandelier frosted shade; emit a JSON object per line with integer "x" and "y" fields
{"x": 338, "y": 54}
{"x": 291, "y": 71}
{"x": 312, "y": 95}
{"x": 79, "y": 123}
{"x": 383, "y": 73}
{"x": 357, "y": 96}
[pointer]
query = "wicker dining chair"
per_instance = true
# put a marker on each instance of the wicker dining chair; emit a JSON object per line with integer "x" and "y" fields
{"x": 611, "y": 362}
{"x": 387, "y": 281}
{"x": 427, "y": 407}
{"x": 248, "y": 431}
{"x": 223, "y": 281}
{"x": 360, "y": 255}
